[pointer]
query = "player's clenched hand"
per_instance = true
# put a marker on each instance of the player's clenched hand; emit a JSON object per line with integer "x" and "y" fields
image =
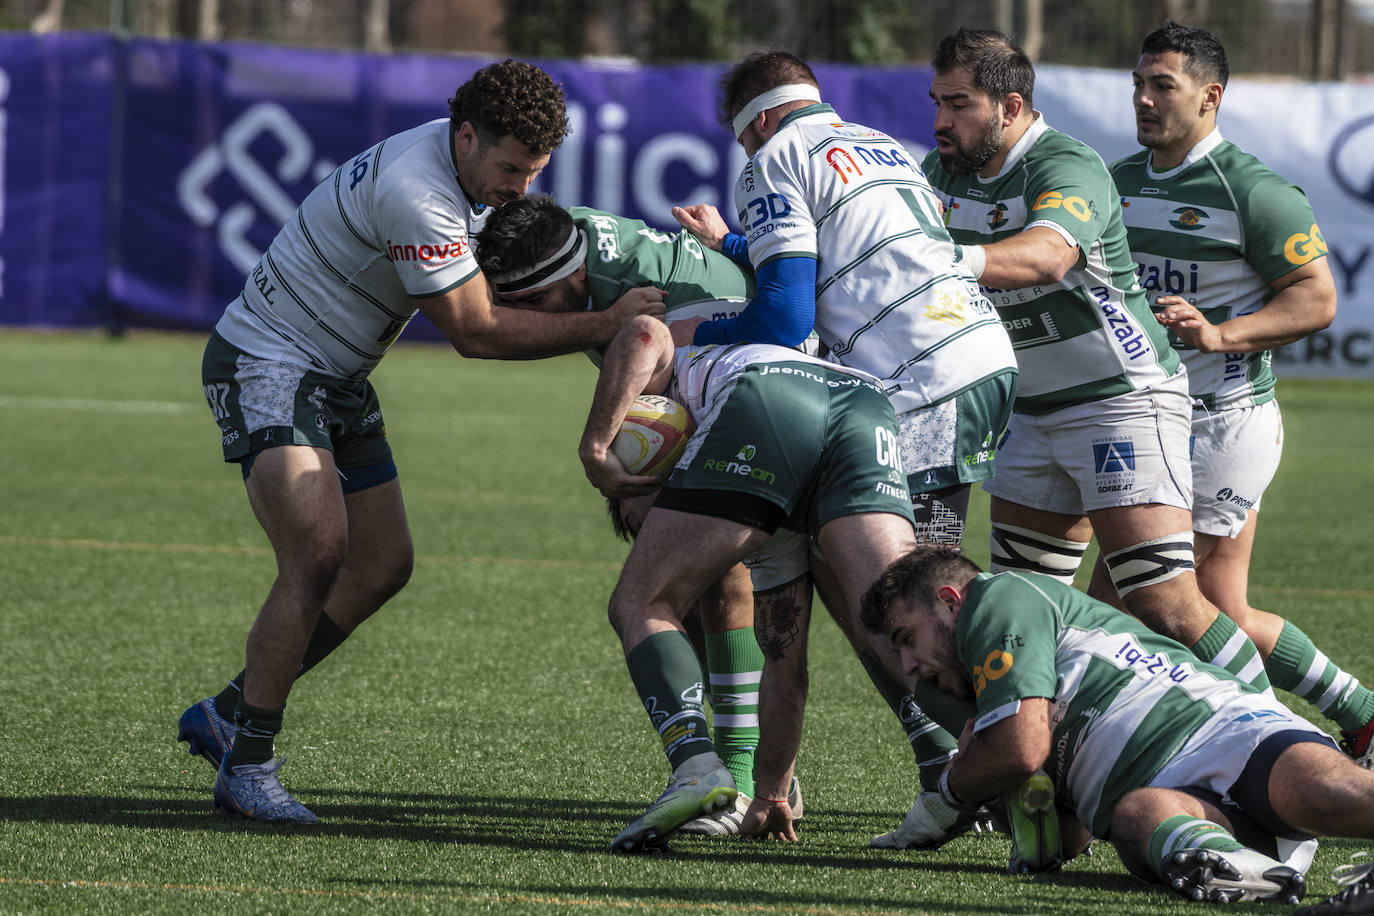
{"x": 705, "y": 222}
{"x": 1188, "y": 324}
{"x": 642, "y": 300}
{"x": 683, "y": 331}
{"x": 768, "y": 820}
{"x": 608, "y": 475}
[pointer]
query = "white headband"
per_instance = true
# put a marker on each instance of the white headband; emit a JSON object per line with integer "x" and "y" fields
{"x": 792, "y": 92}
{"x": 562, "y": 263}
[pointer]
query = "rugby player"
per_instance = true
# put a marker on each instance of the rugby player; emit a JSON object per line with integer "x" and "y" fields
{"x": 782, "y": 439}
{"x": 1200, "y": 781}
{"x": 1098, "y": 440}
{"x": 1235, "y": 262}
{"x": 845, "y": 236}
{"x": 285, "y": 372}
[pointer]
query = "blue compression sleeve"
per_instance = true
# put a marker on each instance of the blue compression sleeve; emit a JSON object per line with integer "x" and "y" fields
{"x": 782, "y": 312}
{"x": 736, "y": 247}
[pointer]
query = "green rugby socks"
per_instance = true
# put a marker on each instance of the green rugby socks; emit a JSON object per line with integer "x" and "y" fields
{"x": 667, "y": 676}
{"x": 1226, "y": 646}
{"x": 734, "y": 664}
{"x": 1298, "y": 666}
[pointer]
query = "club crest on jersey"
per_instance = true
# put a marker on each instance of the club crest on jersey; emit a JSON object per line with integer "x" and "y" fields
{"x": 1189, "y": 219}
{"x": 997, "y": 216}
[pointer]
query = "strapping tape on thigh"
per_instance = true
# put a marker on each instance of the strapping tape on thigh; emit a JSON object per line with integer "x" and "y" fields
{"x": 1151, "y": 562}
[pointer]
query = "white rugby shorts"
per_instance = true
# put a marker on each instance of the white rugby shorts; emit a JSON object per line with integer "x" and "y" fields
{"x": 1236, "y": 453}
{"x": 1129, "y": 450}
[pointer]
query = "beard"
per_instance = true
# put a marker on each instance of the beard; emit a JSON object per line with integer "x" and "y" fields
{"x": 971, "y": 159}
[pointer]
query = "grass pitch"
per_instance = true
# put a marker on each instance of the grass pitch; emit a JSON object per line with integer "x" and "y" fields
{"x": 478, "y": 743}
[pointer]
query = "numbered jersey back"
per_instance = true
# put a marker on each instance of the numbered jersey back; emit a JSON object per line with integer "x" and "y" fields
{"x": 890, "y": 299}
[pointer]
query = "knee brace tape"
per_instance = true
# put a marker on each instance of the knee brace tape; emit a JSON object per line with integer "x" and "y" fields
{"x": 1022, "y": 548}
{"x": 1151, "y": 562}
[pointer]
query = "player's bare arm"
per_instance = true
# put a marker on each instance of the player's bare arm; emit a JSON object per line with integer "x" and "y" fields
{"x": 703, "y": 221}
{"x": 1305, "y": 302}
{"x": 1037, "y": 256}
{"x": 1002, "y": 756}
{"x": 639, "y": 360}
{"x": 477, "y": 327}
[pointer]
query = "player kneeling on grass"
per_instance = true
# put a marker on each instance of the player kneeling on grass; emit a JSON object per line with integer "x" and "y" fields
{"x": 1201, "y": 781}
{"x": 781, "y": 438}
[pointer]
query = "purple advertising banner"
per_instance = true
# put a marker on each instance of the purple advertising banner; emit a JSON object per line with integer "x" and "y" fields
{"x": 54, "y": 178}
{"x": 202, "y": 151}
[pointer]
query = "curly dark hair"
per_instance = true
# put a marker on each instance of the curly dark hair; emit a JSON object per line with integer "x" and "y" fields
{"x": 1204, "y": 59}
{"x": 997, "y": 66}
{"x": 916, "y": 577}
{"x": 516, "y": 99}
{"x": 756, "y": 74}
{"x": 521, "y": 233}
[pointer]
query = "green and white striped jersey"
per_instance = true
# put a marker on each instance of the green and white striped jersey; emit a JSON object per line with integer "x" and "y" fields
{"x": 890, "y": 299}
{"x": 1217, "y": 230}
{"x": 1123, "y": 699}
{"x": 626, "y": 253}
{"x": 1091, "y": 335}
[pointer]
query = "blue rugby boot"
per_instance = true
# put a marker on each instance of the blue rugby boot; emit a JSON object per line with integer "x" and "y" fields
{"x": 253, "y": 790}
{"x": 207, "y": 732}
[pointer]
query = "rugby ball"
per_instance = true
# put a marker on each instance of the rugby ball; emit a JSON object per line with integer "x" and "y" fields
{"x": 653, "y": 436}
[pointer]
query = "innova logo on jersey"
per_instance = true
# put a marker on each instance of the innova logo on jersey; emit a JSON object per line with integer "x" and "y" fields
{"x": 1189, "y": 219}
{"x": 1350, "y": 161}
{"x": 997, "y": 216}
{"x": 438, "y": 252}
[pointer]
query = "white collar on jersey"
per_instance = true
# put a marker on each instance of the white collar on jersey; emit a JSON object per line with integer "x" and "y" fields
{"x": 1201, "y": 149}
{"x": 562, "y": 263}
{"x": 780, "y": 95}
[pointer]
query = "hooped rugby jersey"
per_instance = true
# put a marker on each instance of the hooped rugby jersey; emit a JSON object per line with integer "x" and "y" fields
{"x": 1091, "y": 335}
{"x": 889, "y": 298}
{"x": 1217, "y": 230}
{"x": 335, "y": 287}
{"x": 1123, "y": 699}
{"x": 623, "y": 254}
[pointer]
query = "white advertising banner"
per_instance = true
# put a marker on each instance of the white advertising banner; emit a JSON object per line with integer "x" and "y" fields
{"x": 1320, "y": 136}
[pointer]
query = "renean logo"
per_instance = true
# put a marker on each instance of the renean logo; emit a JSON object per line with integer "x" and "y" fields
{"x": 1114, "y": 457}
{"x": 743, "y": 470}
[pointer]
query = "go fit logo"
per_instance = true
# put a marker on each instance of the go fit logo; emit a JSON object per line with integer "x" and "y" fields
{"x": 440, "y": 251}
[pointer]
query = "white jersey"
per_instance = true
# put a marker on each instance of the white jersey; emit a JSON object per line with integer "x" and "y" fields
{"x": 701, "y": 374}
{"x": 890, "y": 299}
{"x": 335, "y": 287}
